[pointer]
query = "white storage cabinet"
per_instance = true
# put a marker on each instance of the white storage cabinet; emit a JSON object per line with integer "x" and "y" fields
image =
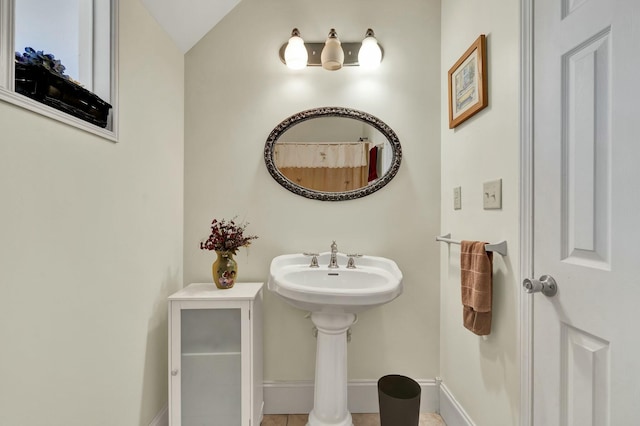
{"x": 215, "y": 356}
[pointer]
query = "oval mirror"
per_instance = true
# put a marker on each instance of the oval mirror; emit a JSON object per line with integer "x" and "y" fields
{"x": 332, "y": 153}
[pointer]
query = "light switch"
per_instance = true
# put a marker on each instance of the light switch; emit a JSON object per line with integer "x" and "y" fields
{"x": 492, "y": 194}
{"x": 457, "y": 198}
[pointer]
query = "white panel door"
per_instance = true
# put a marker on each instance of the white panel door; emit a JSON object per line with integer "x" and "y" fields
{"x": 586, "y": 341}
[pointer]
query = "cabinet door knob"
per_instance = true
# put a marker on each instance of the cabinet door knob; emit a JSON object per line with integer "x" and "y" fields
{"x": 174, "y": 372}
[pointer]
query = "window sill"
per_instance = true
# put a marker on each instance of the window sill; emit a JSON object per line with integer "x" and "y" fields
{"x": 47, "y": 111}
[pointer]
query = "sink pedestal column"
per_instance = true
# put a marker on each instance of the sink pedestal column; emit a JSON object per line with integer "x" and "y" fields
{"x": 330, "y": 392}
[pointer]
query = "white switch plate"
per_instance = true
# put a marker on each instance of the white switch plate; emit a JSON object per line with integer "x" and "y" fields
{"x": 457, "y": 198}
{"x": 492, "y": 194}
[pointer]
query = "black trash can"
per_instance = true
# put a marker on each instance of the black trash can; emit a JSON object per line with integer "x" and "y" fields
{"x": 399, "y": 401}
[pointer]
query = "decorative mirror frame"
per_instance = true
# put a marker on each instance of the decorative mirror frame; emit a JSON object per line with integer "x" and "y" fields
{"x": 299, "y": 117}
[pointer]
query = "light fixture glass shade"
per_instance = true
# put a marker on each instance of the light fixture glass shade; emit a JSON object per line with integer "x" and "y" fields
{"x": 332, "y": 56}
{"x": 295, "y": 54}
{"x": 370, "y": 53}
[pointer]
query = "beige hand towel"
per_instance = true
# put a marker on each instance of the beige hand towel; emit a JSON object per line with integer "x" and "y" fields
{"x": 476, "y": 267}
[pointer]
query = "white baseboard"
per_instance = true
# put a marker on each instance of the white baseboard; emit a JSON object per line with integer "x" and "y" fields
{"x": 451, "y": 411}
{"x": 162, "y": 418}
{"x": 296, "y": 397}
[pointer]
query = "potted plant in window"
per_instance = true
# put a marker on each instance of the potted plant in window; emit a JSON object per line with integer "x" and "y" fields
{"x": 40, "y": 76}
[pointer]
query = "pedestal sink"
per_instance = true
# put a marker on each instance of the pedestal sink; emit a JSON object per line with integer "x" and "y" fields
{"x": 333, "y": 296}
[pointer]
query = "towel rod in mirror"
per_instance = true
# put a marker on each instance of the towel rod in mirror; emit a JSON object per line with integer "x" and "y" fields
{"x": 500, "y": 248}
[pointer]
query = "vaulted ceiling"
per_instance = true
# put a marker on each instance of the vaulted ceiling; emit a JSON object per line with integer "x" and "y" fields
{"x": 187, "y": 21}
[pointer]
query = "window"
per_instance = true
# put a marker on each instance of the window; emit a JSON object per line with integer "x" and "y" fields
{"x": 58, "y": 58}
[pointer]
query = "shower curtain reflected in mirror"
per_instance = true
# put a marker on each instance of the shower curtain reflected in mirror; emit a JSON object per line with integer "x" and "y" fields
{"x": 326, "y": 167}
{"x": 327, "y": 179}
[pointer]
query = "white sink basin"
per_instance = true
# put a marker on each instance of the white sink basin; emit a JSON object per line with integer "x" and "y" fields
{"x": 334, "y": 296}
{"x": 374, "y": 281}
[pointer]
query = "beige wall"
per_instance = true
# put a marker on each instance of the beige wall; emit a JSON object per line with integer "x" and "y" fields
{"x": 237, "y": 91}
{"x": 482, "y": 374}
{"x": 91, "y": 245}
{"x": 92, "y": 233}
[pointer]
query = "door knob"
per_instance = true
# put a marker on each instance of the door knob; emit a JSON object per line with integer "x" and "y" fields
{"x": 545, "y": 285}
{"x": 174, "y": 372}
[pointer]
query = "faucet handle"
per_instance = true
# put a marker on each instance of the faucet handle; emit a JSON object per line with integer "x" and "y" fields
{"x": 351, "y": 263}
{"x": 314, "y": 259}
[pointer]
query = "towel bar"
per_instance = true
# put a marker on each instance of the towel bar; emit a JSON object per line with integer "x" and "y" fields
{"x": 500, "y": 248}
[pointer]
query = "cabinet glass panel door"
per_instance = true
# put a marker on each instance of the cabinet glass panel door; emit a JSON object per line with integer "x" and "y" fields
{"x": 211, "y": 374}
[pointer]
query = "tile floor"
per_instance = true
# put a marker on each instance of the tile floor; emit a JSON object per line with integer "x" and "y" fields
{"x": 426, "y": 419}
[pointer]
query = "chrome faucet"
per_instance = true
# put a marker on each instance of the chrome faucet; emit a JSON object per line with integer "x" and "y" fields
{"x": 333, "y": 262}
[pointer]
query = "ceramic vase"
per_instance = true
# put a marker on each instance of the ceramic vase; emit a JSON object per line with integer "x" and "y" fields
{"x": 225, "y": 270}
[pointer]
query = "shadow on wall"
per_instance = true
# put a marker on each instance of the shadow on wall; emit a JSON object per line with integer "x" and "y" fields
{"x": 505, "y": 302}
{"x": 154, "y": 382}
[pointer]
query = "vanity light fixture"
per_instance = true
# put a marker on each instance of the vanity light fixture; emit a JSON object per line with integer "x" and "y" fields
{"x": 331, "y": 54}
{"x": 370, "y": 53}
{"x": 295, "y": 54}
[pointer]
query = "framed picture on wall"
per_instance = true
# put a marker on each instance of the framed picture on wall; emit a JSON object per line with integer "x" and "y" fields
{"x": 468, "y": 83}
